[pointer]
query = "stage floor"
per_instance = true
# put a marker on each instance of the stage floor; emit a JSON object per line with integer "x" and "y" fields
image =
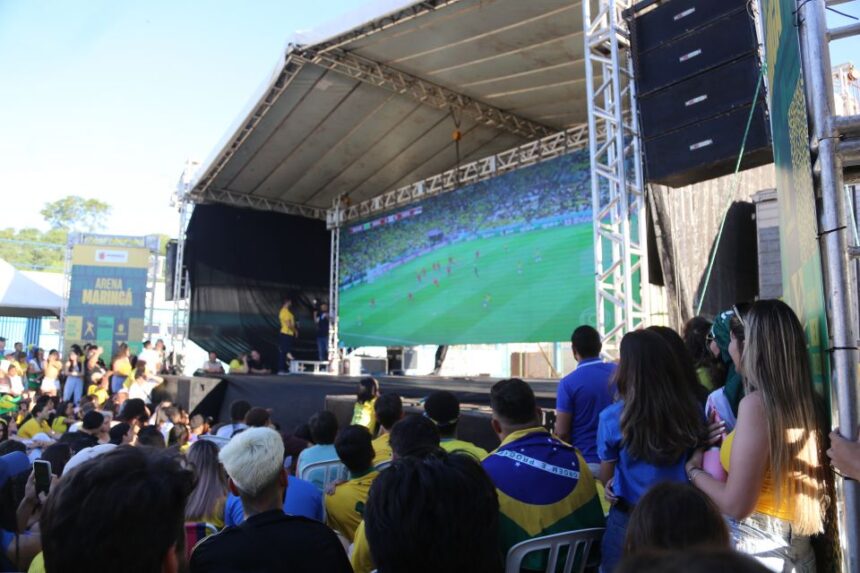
{"x": 294, "y": 398}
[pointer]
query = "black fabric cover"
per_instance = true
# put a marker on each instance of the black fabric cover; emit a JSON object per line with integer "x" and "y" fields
{"x": 241, "y": 264}
{"x": 683, "y": 234}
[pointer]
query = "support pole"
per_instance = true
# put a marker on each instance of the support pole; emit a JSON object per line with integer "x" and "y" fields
{"x": 834, "y": 249}
{"x": 334, "y": 287}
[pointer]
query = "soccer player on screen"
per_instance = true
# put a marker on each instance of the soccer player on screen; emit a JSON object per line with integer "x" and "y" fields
{"x": 476, "y": 271}
{"x": 488, "y": 298}
{"x": 436, "y": 282}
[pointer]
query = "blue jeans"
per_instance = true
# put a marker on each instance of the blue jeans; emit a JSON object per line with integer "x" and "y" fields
{"x": 322, "y": 347}
{"x": 285, "y": 346}
{"x": 73, "y": 389}
{"x": 116, "y": 382}
{"x": 612, "y": 547}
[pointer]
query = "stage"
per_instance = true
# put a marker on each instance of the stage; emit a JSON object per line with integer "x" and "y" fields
{"x": 294, "y": 398}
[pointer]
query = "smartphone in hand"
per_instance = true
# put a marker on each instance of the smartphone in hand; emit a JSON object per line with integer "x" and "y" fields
{"x": 42, "y": 474}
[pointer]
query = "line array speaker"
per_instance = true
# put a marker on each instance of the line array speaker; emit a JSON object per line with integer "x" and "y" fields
{"x": 696, "y": 68}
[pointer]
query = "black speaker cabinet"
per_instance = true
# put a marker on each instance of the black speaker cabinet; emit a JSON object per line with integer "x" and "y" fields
{"x": 709, "y": 148}
{"x": 696, "y": 68}
{"x": 695, "y": 99}
{"x": 676, "y": 18}
{"x": 723, "y": 40}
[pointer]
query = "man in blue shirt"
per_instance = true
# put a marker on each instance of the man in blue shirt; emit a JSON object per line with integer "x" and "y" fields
{"x": 583, "y": 394}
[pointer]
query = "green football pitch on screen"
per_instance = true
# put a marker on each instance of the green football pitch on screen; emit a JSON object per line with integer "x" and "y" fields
{"x": 510, "y": 259}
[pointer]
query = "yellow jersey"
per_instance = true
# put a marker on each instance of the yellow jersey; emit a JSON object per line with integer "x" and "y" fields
{"x": 122, "y": 367}
{"x": 361, "y": 559}
{"x": 767, "y": 498}
{"x": 382, "y": 449}
{"x": 455, "y": 446}
{"x": 365, "y": 415}
{"x": 32, "y": 427}
{"x": 101, "y": 394}
{"x": 345, "y": 507}
{"x": 288, "y": 322}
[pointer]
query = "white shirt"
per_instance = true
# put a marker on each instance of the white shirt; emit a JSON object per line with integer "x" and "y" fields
{"x": 228, "y": 430}
{"x": 151, "y": 358}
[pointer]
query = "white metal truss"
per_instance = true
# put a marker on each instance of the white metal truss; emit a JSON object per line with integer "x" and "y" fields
{"x": 424, "y": 92}
{"x": 385, "y": 22}
{"x": 334, "y": 293}
{"x": 288, "y": 72}
{"x": 618, "y": 194}
{"x": 262, "y": 203}
{"x": 552, "y": 146}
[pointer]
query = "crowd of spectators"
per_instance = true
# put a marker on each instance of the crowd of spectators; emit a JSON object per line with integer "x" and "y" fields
{"x": 550, "y": 189}
{"x": 640, "y": 453}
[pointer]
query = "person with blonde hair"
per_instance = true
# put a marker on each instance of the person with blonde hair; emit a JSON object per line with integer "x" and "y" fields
{"x": 775, "y": 493}
{"x": 268, "y": 540}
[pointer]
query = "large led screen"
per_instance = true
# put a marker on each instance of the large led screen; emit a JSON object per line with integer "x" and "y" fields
{"x": 508, "y": 259}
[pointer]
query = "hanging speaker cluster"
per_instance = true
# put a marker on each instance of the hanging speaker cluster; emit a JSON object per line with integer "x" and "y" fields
{"x": 696, "y": 65}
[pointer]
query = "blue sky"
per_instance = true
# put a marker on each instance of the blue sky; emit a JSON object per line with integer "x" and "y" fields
{"x": 107, "y": 99}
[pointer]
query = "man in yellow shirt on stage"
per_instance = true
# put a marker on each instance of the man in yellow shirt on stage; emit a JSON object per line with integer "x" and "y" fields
{"x": 344, "y": 507}
{"x": 287, "y": 336}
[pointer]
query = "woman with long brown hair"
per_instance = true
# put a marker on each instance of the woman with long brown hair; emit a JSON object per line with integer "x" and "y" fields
{"x": 206, "y": 502}
{"x": 775, "y": 493}
{"x": 646, "y": 437}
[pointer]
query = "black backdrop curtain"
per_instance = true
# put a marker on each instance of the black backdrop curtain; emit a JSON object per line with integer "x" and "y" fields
{"x": 241, "y": 265}
{"x": 683, "y": 233}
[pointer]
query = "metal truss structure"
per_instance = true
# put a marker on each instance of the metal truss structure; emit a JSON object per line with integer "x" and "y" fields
{"x": 617, "y": 188}
{"x": 559, "y": 143}
{"x": 202, "y": 191}
{"x": 264, "y": 204}
{"x": 835, "y": 140}
{"x": 427, "y": 93}
{"x": 334, "y": 291}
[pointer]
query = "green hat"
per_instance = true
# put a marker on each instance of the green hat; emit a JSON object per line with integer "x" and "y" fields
{"x": 8, "y": 404}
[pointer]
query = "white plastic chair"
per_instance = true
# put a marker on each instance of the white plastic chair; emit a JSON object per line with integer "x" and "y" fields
{"x": 578, "y": 544}
{"x": 332, "y": 470}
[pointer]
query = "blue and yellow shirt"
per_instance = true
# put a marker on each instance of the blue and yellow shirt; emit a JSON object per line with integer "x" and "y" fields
{"x": 544, "y": 487}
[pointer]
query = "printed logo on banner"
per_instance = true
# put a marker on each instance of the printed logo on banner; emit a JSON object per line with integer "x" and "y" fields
{"x": 111, "y": 256}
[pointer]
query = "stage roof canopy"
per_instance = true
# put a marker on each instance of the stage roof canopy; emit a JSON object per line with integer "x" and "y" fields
{"x": 374, "y": 108}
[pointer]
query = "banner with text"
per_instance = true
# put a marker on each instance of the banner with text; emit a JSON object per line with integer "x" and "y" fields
{"x": 803, "y": 285}
{"x": 107, "y": 298}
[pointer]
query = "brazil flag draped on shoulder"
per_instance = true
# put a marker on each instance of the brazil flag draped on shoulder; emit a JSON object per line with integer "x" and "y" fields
{"x": 544, "y": 487}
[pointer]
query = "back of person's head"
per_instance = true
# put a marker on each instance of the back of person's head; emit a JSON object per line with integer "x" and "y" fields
{"x": 178, "y": 435}
{"x": 254, "y": 460}
{"x": 654, "y": 389}
{"x": 368, "y": 389}
{"x": 354, "y": 448}
{"x": 685, "y": 361}
{"x": 118, "y": 432}
{"x": 389, "y": 409}
{"x": 58, "y": 455}
{"x": 211, "y": 482}
{"x": 776, "y": 364}
{"x": 323, "y": 427}
{"x": 258, "y": 418}
{"x": 171, "y": 414}
{"x": 76, "y": 441}
{"x": 443, "y": 408}
{"x": 92, "y": 421}
{"x": 446, "y": 499}
{"x": 705, "y": 560}
{"x": 151, "y": 436}
{"x": 133, "y": 410}
{"x": 10, "y": 446}
{"x": 696, "y": 339}
{"x": 585, "y": 341}
{"x": 132, "y": 519}
{"x": 513, "y": 402}
{"x": 414, "y": 435}
{"x": 675, "y": 516}
{"x": 239, "y": 409}
{"x": 43, "y": 402}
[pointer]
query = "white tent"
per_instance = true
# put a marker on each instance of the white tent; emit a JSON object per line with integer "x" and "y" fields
{"x": 22, "y": 296}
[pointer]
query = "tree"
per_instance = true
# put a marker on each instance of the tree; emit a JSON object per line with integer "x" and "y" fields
{"x": 74, "y": 213}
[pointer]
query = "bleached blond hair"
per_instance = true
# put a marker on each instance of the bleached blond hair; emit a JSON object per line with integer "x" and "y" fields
{"x": 253, "y": 459}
